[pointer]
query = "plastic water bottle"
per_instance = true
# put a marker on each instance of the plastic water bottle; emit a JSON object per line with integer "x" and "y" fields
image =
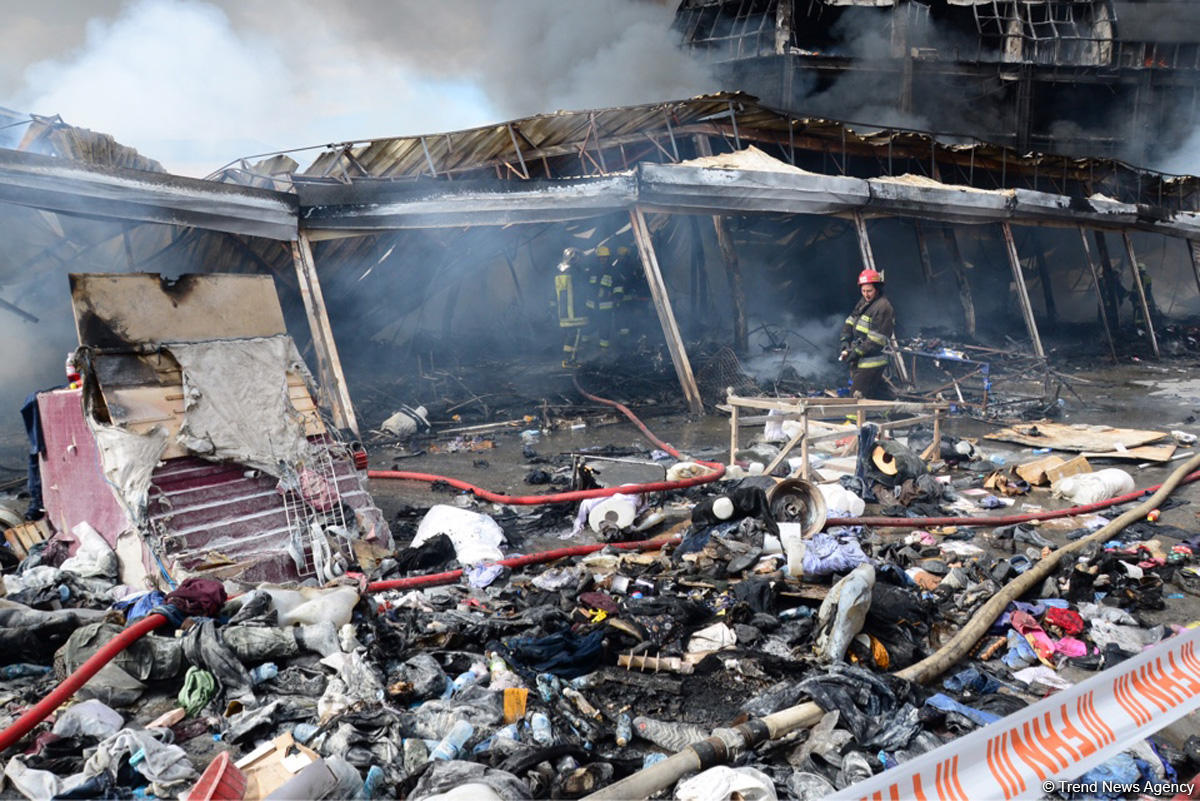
{"x": 624, "y": 731}
{"x": 453, "y": 742}
{"x": 467, "y": 678}
{"x": 22, "y": 670}
{"x": 651, "y": 759}
{"x": 264, "y": 672}
{"x": 542, "y": 733}
{"x": 548, "y": 687}
{"x": 373, "y": 784}
{"x": 303, "y": 732}
{"x": 997, "y": 460}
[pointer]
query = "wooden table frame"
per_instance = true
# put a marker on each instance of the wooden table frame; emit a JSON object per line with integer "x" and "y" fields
{"x": 806, "y": 409}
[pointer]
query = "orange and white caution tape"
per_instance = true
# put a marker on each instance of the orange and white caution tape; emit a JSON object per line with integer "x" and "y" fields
{"x": 1048, "y": 745}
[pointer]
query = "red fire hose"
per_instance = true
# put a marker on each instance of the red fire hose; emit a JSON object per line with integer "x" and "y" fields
{"x": 35, "y": 714}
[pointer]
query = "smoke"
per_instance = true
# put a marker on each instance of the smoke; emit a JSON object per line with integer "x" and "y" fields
{"x": 807, "y": 345}
{"x": 196, "y": 84}
{"x": 1185, "y": 160}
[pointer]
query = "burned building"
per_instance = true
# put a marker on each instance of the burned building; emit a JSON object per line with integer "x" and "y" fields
{"x": 745, "y": 222}
{"x": 1093, "y": 78}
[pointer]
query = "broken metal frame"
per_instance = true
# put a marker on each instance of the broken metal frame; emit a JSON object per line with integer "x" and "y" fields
{"x": 813, "y": 409}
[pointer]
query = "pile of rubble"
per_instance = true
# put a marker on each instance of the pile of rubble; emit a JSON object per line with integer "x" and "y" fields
{"x": 455, "y": 671}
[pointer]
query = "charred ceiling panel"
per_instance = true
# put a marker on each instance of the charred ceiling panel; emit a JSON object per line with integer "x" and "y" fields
{"x": 367, "y": 206}
{"x": 121, "y": 312}
{"x": 128, "y": 195}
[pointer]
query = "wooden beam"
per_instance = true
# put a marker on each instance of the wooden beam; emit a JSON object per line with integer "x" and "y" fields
{"x": 1022, "y": 290}
{"x": 1110, "y": 283}
{"x": 1087, "y": 255}
{"x": 1047, "y": 289}
{"x": 329, "y": 365}
{"x": 662, "y": 305}
{"x": 864, "y": 244}
{"x": 960, "y": 278}
{"x": 1141, "y": 291}
{"x": 1193, "y": 247}
{"x": 784, "y": 451}
{"x": 923, "y": 250}
{"x": 733, "y": 271}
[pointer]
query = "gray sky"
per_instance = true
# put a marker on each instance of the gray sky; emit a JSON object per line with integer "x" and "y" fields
{"x": 196, "y": 83}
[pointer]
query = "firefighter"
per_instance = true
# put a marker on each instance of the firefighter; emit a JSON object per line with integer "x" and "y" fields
{"x": 603, "y": 298}
{"x": 570, "y": 288}
{"x": 865, "y": 334}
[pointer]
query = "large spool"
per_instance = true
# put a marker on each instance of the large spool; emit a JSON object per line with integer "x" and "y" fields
{"x": 794, "y": 500}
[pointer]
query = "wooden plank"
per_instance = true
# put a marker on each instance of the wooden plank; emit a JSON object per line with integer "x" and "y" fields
{"x": 1022, "y": 291}
{"x": 1193, "y": 247}
{"x": 322, "y": 333}
{"x": 666, "y": 316}
{"x": 784, "y": 451}
{"x": 733, "y": 432}
{"x": 864, "y": 243}
{"x": 23, "y": 537}
{"x": 1143, "y": 453}
{"x": 733, "y": 272}
{"x": 960, "y": 278}
{"x": 1094, "y": 440}
{"x": 1087, "y": 254}
{"x": 1141, "y": 291}
{"x": 923, "y": 250}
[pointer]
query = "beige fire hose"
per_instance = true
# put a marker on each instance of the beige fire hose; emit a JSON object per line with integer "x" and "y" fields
{"x": 726, "y": 743}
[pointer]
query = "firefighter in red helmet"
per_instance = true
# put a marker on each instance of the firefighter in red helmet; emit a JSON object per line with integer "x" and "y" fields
{"x": 866, "y": 332}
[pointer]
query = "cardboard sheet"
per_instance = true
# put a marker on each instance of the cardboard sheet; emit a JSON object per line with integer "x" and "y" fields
{"x": 1091, "y": 440}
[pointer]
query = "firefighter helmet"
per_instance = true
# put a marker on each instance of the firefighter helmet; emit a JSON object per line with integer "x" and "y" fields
{"x": 869, "y": 276}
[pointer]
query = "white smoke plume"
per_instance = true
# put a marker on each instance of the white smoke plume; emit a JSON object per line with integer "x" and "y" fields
{"x": 195, "y": 84}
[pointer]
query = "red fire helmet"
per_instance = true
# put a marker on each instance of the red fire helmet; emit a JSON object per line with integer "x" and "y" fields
{"x": 869, "y": 276}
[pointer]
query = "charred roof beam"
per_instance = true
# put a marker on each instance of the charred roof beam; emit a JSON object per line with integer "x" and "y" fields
{"x": 67, "y": 187}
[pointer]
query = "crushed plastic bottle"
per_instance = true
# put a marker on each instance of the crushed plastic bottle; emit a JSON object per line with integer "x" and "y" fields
{"x": 453, "y": 742}
{"x": 373, "y": 785}
{"x": 624, "y": 732}
{"x": 549, "y": 687}
{"x": 543, "y": 734}
{"x": 467, "y": 678}
{"x": 22, "y": 670}
{"x": 264, "y": 672}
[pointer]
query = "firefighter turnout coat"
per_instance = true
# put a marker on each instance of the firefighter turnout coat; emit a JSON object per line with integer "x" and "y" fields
{"x": 867, "y": 331}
